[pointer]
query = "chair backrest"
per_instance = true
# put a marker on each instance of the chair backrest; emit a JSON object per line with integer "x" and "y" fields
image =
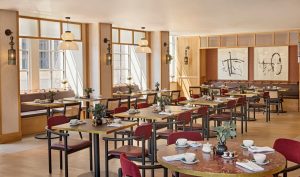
{"x": 175, "y": 94}
{"x": 142, "y": 105}
{"x": 192, "y": 136}
{"x": 72, "y": 110}
{"x": 290, "y": 149}
{"x": 273, "y": 94}
{"x": 120, "y": 109}
{"x": 185, "y": 117}
{"x": 151, "y": 98}
{"x": 195, "y": 96}
{"x": 266, "y": 95}
{"x": 241, "y": 101}
{"x": 144, "y": 131}
{"x": 182, "y": 98}
{"x": 128, "y": 167}
{"x": 223, "y": 91}
{"x": 113, "y": 103}
{"x": 56, "y": 120}
{"x": 202, "y": 111}
{"x": 216, "y": 91}
{"x": 231, "y": 104}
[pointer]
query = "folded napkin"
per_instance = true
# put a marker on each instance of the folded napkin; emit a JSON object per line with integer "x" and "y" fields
{"x": 250, "y": 166}
{"x": 173, "y": 157}
{"x": 186, "y": 108}
{"x": 165, "y": 113}
{"x": 255, "y": 149}
{"x": 114, "y": 125}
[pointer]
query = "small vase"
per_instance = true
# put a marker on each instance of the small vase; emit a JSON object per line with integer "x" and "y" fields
{"x": 157, "y": 89}
{"x": 221, "y": 148}
{"x": 97, "y": 121}
{"x": 162, "y": 107}
{"x": 88, "y": 96}
{"x": 51, "y": 100}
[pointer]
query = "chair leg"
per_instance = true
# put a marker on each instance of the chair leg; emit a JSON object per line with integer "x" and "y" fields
{"x": 115, "y": 143}
{"x": 91, "y": 153}
{"x": 60, "y": 160}
{"x": 66, "y": 164}
{"x": 80, "y": 134}
{"x": 106, "y": 160}
{"x": 50, "y": 160}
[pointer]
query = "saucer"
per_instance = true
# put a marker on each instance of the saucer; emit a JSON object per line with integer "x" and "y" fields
{"x": 243, "y": 146}
{"x": 264, "y": 163}
{"x": 182, "y": 146}
{"x": 189, "y": 163}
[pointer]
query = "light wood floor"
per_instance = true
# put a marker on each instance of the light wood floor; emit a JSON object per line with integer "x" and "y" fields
{"x": 28, "y": 158}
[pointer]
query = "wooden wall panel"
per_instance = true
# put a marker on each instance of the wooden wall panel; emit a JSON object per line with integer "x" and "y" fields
{"x": 165, "y": 78}
{"x": 188, "y": 75}
{"x": 106, "y": 78}
{"x": 293, "y": 64}
{"x": 251, "y": 63}
{"x": 211, "y": 64}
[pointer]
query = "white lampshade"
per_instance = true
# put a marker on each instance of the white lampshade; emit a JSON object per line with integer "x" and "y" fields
{"x": 67, "y": 36}
{"x": 143, "y": 47}
{"x": 68, "y": 45}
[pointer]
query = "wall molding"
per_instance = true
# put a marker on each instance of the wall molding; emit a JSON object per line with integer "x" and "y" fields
{"x": 10, "y": 137}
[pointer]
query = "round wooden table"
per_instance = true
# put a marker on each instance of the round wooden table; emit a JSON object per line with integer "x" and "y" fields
{"x": 210, "y": 165}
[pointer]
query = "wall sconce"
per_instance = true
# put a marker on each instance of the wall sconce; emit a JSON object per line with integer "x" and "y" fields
{"x": 12, "y": 56}
{"x": 186, "y": 58}
{"x": 108, "y": 54}
{"x": 168, "y": 56}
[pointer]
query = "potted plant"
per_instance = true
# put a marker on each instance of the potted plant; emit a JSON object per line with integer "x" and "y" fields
{"x": 88, "y": 92}
{"x": 227, "y": 130}
{"x": 129, "y": 86}
{"x": 157, "y": 86}
{"x": 99, "y": 112}
{"x": 242, "y": 89}
{"x": 51, "y": 95}
{"x": 163, "y": 101}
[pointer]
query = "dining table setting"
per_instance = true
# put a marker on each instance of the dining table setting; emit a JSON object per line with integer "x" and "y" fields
{"x": 199, "y": 158}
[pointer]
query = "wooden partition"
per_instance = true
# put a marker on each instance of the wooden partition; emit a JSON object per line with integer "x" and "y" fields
{"x": 165, "y": 78}
{"x": 106, "y": 78}
{"x": 188, "y": 74}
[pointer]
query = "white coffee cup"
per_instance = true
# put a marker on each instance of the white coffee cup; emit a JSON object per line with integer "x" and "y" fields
{"x": 189, "y": 157}
{"x": 259, "y": 158}
{"x": 181, "y": 141}
{"x": 73, "y": 121}
{"x": 248, "y": 143}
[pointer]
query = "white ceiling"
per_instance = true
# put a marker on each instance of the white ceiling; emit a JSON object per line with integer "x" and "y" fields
{"x": 178, "y": 16}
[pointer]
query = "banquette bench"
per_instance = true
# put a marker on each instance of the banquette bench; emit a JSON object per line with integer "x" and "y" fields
{"x": 34, "y": 118}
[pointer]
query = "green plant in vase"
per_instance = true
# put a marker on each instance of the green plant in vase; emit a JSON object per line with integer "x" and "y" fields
{"x": 99, "y": 112}
{"x": 88, "y": 92}
{"x": 227, "y": 130}
{"x": 51, "y": 95}
{"x": 157, "y": 86}
{"x": 163, "y": 101}
{"x": 242, "y": 89}
{"x": 129, "y": 85}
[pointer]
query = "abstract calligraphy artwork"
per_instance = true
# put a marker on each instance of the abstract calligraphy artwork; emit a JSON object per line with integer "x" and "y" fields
{"x": 271, "y": 63}
{"x": 233, "y": 64}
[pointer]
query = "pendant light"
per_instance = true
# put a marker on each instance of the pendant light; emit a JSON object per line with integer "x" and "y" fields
{"x": 143, "y": 46}
{"x": 68, "y": 37}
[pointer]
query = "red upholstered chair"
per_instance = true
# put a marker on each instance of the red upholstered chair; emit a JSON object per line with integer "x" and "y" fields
{"x": 224, "y": 91}
{"x": 182, "y": 98}
{"x": 142, "y": 133}
{"x": 128, "y": 168}
{"x": 195, "y": 96}
{"x": 255, "y": 105}
{"x": 120, "y": 109}
{"x": 202, "y": 113}
{"x": 192, "y": 136}
{"x": 64, "y": 144}
{"x": 142, "y": 105}
{"x": 290, "y": 150}
{"x": 241, "y": 103}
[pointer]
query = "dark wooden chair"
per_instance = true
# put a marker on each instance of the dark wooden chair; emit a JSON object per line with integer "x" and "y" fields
{"x": 73, "y": 111}
{"x": 111, "y": 105}
{"x": 66, "y": 145}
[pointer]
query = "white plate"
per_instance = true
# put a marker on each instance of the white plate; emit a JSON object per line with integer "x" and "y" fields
{"x": 264, "y": 163}
{"x": 182, "y": 146}
{"x": 189, "y": 163}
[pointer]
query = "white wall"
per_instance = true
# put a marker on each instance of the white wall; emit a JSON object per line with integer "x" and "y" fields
{"x": 155, "y": 57}
{"x": 94, "y": 63}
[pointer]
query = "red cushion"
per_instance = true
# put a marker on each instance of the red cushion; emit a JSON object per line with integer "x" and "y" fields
{"x": 166, "y": 133}
{"x": 129, "y": 150}
{"x": 129, "y": 168}
{"x": 73, "y": 145}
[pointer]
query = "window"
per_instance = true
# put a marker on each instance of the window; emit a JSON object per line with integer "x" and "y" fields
{"x": 51, "y": 64}
{"x": 24, "y": 64}
{"x": 172, "y": 70}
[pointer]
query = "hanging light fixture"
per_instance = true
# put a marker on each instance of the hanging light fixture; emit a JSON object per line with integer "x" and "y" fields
{"x": 143, "y": 46}
{"x": 12, "y": 56}
{"x": 168, "y": 55}
{"x": 68, "y": 37}
{"x": 186, "y": 57}
{"x": 108, "y": 53}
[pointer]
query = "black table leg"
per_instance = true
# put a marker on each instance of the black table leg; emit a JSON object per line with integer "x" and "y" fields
{"x": 96, "y": 155}
{"x": 87, "y": 115}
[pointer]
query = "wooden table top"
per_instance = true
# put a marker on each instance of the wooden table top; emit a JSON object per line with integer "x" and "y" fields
{"x": 85, "y": 99}
{"x": 211, "y": 165}
{"x": 55, "y": 104}
{"x": 148, "y": 113}
{"x": 204, "y": 102}
{"x": 136, "y": 94}
{"x": 248, "y": 95}
{"x": 89, "y": 128}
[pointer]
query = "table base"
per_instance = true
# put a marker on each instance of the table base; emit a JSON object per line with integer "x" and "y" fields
{"x": 43, "y": 136}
